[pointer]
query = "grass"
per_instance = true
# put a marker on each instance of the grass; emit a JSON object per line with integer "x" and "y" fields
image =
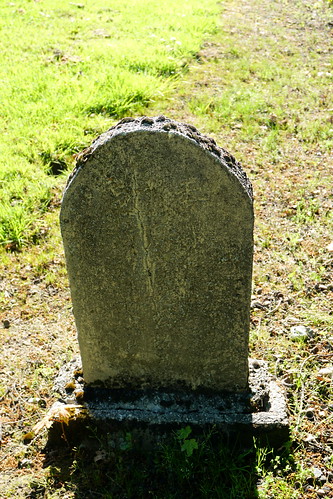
{"x": 260, "y": 86}
{"x": 201, "y": 470}
{"x": 76, "y": 69}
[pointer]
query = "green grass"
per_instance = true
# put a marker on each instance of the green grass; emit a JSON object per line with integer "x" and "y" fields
{"x": 67, "y": 71}
{"x": 255, "y": 97}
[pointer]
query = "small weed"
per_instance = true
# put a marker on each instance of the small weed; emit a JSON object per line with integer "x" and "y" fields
{"x": 188, "y": 445}
{"x": 306, "y": 211}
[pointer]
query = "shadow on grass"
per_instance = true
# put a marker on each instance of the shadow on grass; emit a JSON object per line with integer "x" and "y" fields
{"x": 183, "y": 465}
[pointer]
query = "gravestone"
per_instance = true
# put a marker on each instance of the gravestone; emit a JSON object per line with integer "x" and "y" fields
{"x": 157, "y": 225}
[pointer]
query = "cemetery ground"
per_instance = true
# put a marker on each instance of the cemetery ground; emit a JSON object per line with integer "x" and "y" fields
{"x": 261, "y": 85}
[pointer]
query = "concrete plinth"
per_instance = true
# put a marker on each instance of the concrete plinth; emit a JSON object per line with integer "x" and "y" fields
{"x": 258, "y": 412}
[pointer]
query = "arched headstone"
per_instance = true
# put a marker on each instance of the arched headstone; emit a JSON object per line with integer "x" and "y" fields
{"x": 157, "y": 224}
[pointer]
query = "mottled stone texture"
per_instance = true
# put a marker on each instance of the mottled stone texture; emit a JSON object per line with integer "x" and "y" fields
{"x": 157, "y": 224}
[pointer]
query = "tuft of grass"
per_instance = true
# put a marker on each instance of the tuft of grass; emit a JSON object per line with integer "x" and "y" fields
{"x": 25, "y": 196}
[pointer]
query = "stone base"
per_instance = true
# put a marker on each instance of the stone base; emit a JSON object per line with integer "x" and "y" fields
{"x": 259, "y": 412}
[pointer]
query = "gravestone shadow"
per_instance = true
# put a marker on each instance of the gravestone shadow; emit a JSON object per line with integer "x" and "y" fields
{"x": 186, "y": 464}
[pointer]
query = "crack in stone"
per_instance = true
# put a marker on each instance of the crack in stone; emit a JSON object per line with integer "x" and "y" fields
{"x": 148, "y": 264}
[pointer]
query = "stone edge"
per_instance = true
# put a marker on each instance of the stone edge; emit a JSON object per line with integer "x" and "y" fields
{"x": 164, "y": 125}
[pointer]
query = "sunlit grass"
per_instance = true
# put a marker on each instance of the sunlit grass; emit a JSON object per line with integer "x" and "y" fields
{"x": 67, "y": 71}
{"x": 269, "y": 99}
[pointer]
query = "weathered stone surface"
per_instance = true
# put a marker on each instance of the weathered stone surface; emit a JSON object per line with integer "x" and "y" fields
{"x": 157, "y": 226}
